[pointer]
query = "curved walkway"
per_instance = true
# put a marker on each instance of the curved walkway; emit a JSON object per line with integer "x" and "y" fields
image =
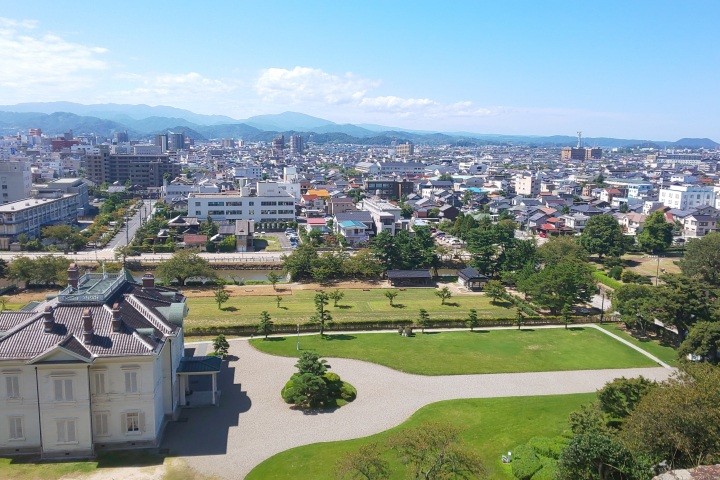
{"x": 252, "y": 422}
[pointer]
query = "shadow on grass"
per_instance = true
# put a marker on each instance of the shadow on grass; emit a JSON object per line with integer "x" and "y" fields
{"x": 283, "y": 308}
{"x": 452, "y": 304}
{"x": 340, "y": 336}
{"x": 431, "y": 333}
{"x": 398, "y": 305}
{"x": 229, "y": 309}
{"x": 526, "y": 330}
{"x": 343, "y": 307}
{"x": 577, "y": 329}
{"x": 274, "y": 339}
{"x": 503, "y": 304}
{"x": 129, "y": 459}
{"x": 480, "y": 331}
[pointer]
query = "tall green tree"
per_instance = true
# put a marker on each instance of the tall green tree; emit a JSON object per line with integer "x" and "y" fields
{"x": 599, "y": 456}
{"x": 300, "y": 262}
{"x": 273, "y": 278}
{"x": 603, "y": 236}
{"x": 495, "y": 290}
{"x": 679, "y": 420}
{"x": 183, "y": 265}
{"x": 703, "y": 341}
{"x": 265, "y": 327}
{"x": 336, "y": 295}
{"x": 472, "y": 319}
{"x": 434, "y": 451}
{"x": 656, "y": 234}
{"x": 365, "y": 463}
{"x": 702, "y": 258}
{"x": 322, "y": 317}
{"x": 221, "y": 296}
{"x": 423, "y": 319}
{"x": 444, "y": 293}
{"x": 566, "y": 283}
{"x": 221, "y": 346}
{"x": 558, "y": 249}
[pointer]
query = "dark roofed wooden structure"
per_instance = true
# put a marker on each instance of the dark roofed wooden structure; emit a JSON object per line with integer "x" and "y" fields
{"x": 471, "y": 279}
{"x": 409, "y": 277}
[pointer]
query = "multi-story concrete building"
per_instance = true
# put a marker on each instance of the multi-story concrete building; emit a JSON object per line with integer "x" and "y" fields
{"x": 28, "y": 216}
{"x": 99, "y": 366}
{"x": 385, "y": 215}
{"x": 266, "y": 203}
{"x": 580, "y": 153}
{"x": 527, "y": 185}
{"x": 389, "y": 189}
{"x": 65, "y": 186}
{"x": 178, "y": 191}
{"x": 15, "y": 181}
{"x": 142, "y": 170}
{"x": 404, "y": 149}
{"x": 686, "y": 197}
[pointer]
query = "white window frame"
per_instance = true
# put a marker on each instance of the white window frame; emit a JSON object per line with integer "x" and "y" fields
{"x": 101, "y": 424}
{"x": 66, "y": 389}
{"x": 99, "y": 382}
{"x": 133, "y": 422}
{"x": 12, "y": 386}
{"x": 132, "y": 381}
{"x": 15, "y": 423}
{"x": 64, "y": 429}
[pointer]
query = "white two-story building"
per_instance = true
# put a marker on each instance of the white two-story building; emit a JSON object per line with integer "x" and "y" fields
{"x": 99, "y": 366}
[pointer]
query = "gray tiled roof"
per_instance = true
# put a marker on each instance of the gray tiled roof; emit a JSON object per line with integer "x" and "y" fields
{"x": 26, "y": 339}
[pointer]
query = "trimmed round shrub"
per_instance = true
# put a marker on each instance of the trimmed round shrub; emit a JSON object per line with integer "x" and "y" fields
{"x": 288, "y": 391}
{"x": 524, "y": 462}
{"x": 347, "y": 392}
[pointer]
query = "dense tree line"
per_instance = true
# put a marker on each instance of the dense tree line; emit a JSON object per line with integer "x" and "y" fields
{"x": 46, "y": 270}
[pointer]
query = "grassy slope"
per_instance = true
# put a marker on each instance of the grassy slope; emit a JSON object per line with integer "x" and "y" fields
{"x": 490, "y": 427}
{"x": 357, "y": 305}
{"x": 495, "y": 351}
{"x": 664, "y": 353}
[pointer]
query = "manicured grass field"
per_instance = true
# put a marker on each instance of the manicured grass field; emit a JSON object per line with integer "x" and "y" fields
{"x": 357, "y": 305}
{"x": 490, "y": 427}
{"x": 665, "y": 353}
{"x": 457, "y": 353}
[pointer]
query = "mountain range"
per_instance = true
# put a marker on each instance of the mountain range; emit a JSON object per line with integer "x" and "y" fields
{"x": 144, "y": 121}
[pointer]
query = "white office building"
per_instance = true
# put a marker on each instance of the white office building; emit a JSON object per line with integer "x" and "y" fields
{"x": 266, "y": 203}
{"x": 686, "y": 197}
{"x": 15, "y": 180}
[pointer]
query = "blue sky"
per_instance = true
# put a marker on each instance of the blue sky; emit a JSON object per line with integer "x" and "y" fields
{"x": 631, "y": 69}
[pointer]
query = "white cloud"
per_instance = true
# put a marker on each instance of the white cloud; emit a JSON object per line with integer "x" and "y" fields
{"x": 312, "y": 86}
{"x": 182, "y": 88}
{"x": 30, "y": 59}
{"x": 304, "y": 84}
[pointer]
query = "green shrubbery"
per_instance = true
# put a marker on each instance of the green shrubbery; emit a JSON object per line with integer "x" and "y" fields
{"x": 537, "y": 459}
{"x": 314, "y": 387}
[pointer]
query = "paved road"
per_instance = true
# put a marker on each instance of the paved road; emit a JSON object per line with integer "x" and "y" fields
{"x": 128, "y": 232}
{"x": 253, "y": 423}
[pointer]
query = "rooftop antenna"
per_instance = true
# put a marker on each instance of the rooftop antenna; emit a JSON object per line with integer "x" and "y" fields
{"x": 579, "y": 139}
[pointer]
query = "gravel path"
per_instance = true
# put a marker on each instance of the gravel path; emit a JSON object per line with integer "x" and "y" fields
{"x": 252, "y": 422}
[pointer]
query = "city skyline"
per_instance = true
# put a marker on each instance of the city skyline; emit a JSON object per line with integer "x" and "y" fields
{"x": 614, "y": 69}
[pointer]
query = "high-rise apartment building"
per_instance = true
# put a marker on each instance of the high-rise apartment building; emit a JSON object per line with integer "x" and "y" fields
{"x": 527, "y": 185}
{"x": 296, "y": 145}
{"x": 162, "y": 142}
{"x": 141, "y": 170}
{"x": 405, "y": 149}
{"x": 176, "y": 141}
{"x": 15, "y": 181}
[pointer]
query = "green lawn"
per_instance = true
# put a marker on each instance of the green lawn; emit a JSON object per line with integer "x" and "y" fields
{"x": 357, "y": 305}
{"x": 267, "y": 243}
{"x": 457, "y": 353}
{"x": 490, "y": 427}
{"x": 665, "y": 353}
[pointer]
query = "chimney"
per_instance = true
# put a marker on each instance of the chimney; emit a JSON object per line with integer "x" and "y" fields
{"x": 73, "y": 275}
{"x": 48, "y": 319}
{"x": 88, "y": 331}
{"x": 117, "y": 323}
{"x": 148, "y": 281}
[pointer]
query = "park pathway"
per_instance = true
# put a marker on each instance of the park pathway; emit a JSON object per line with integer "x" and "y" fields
{"x": 252, "y": 422}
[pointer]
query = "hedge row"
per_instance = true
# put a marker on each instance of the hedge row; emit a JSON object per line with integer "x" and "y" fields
{"x": 390, "y": 325}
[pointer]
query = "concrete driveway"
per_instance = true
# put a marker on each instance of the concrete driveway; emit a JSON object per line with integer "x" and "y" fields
{"x": 252, "y": 422}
